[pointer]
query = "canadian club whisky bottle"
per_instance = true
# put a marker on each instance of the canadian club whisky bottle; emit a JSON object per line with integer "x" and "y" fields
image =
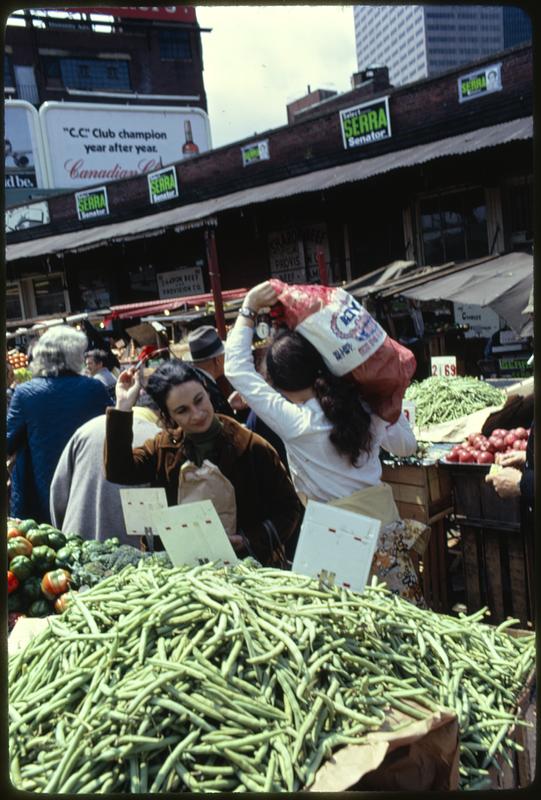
{"x": 189, "y": 148}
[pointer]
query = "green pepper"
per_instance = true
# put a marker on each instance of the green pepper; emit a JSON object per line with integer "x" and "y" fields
{"x": 37, "y": 537}
{"x": 40, "y": 608}
{"x": 22, "y": 567}
{"x": 43, "y": 558}
{"x": 57, "y": 540}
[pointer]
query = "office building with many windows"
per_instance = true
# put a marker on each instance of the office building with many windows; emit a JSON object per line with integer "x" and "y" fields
{"x": 419, "y": 41}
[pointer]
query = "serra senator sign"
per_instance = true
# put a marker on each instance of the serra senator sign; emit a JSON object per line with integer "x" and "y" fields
{"x": 365, "y": 123}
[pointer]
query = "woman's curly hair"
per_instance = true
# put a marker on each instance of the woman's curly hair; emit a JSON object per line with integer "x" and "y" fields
{"x": 294, "y": 364}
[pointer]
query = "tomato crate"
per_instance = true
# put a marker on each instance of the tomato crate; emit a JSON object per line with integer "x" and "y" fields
{"x": 476, "y": 501}
{"x": 423, "y": 493}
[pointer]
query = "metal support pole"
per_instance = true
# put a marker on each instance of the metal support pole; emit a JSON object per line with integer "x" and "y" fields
{"x": 215, "y": 283}
{"x": 323, "y": 274}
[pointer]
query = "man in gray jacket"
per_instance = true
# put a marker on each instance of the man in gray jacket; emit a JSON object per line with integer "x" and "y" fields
{"x": 81, "y": 500}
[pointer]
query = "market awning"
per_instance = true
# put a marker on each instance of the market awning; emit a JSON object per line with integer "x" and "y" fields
{"x": 503, "y": 283}
{"x": 197, "y": 213}
{"x": 145, "y": 309}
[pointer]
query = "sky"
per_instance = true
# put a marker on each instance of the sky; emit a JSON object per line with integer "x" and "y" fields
{"x": 257, "y": 59}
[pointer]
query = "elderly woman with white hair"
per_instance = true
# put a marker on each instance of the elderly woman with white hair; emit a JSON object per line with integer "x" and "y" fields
{"x": 43, "y": 414}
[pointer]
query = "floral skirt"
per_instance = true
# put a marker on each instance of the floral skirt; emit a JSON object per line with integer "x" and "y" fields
{"x": 393, "y": 563}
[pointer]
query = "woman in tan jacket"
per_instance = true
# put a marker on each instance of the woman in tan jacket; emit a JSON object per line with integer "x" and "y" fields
{"x": 268, "y": 511}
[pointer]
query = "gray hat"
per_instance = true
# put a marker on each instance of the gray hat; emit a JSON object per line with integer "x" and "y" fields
{"x": 204, "y": 343}
{"x": 529, "y": 307}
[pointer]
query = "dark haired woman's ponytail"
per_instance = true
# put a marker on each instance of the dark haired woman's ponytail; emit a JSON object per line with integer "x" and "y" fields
{"x": 341, "y": 405}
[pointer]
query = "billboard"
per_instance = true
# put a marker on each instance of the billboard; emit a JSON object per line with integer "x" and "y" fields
{"x": 89, "y": 143}
{"x": 483, "y": 81}
{"x": 24, "y": 158}
{"x": 365, "y": 123}
{"x": 161, "y": 13}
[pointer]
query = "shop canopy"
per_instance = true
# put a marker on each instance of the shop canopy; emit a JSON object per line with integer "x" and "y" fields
{"x": 152, "y": 307}
{"x": 502, "y": 283}
{"x": 197, "y": 214}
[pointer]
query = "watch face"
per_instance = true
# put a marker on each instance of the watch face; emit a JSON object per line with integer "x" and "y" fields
{"x": 262, "y": 329}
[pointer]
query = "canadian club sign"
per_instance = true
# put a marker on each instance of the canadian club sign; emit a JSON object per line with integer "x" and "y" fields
{"x": 92, "y": 203}
{"x": 163, "y": 185}
{"x": 365, "y": 123}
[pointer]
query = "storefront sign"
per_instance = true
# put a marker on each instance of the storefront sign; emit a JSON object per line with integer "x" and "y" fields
{"x": 293, "y": 253}
{"x": 365, "y": 123}
{"x": 163, "y": 185}
{"x": 257, "y": 151}
{"x": 89, "y": 143}
{"x": 162, "y": 13}
{"x": 408, "y": 409}
{"x": 24, "y": 165}
{"x": 482, "y": 81}
{"x": 180, "y": 282}
{"x": 443, "y": 366}
{"x": 29, "y": 216}
{"x": 483, "y": 321}
{"x": 92, "y": 204}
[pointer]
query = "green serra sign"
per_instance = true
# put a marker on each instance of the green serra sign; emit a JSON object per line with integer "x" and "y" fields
{"x": 483, "y": 81}
{"x": 92, "y": 203}
{"x": 365, "y": 123}
{"x": 163, "y": 185}
{"x": 254, "y": 152}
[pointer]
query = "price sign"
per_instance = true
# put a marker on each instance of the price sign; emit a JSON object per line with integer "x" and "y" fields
{"x": 408, "y": 409}
{"x": 193, "y": 534}
{"x": 138, "y": 506}
{"x": 444, "y": 366}
{"x": 336, "y": 545}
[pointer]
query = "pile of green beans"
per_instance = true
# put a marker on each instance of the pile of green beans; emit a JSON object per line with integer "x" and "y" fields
{"x": 243, "y": 679}
{"x": 444, "y": 399}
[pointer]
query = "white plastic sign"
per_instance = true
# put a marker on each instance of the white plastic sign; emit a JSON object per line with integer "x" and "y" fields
{"x": 408, "y": 409}
{"x": 335, "y": 545}
{"x": 443, "y": 366}
{"x": 193, "y": 534}
{"x": 138, "y": 507}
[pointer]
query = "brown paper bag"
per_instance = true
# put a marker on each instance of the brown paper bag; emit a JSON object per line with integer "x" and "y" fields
{"x": 208, "y": 483}
{"x": 423, "y": 755}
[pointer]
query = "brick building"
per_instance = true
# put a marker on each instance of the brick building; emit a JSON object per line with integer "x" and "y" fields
{"x": 449, "y": 179}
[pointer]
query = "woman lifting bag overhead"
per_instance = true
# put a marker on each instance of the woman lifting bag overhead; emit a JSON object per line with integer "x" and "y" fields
{"x": 332, "y": 436}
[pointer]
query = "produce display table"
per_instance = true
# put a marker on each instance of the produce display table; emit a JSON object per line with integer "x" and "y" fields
{"x": 497, "y": 555}
{"x": 423, "y": 493}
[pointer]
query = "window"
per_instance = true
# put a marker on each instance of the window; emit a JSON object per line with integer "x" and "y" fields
{"x": 453, "y": 227}
{"x": 8, "y": 72}
{"x": 49, "y": 295}
{"x": 174, "y": 45}
{"x": 89, "y": 74}
{"x": 14, "y": 309}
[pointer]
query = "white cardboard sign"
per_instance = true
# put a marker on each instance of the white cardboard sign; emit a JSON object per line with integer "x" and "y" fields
{"x": 444, "y": 366}
{"x": 138, "y": 507}
{"x": 408, "y": 409}
{"x": 193, "y": 534}
{"x": 335, "y": 545}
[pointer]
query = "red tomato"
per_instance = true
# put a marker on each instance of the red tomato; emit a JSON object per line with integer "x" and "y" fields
{"x": 475, "y": 453}
{"x": 466, "y": 458}
{"x": 499, "y": 432}
{"x": 510, "y": 439}
{"x": 521, "y": 433}
{"x": 451, "y": 456}
{"x": 517, "y": 444}
{"x": 479, "y": 440}
{"x": 524, "y": 444}
{"x": 485, "y": 458}
{"x": 13, "y": 582}
{"x": 498, "y": 443}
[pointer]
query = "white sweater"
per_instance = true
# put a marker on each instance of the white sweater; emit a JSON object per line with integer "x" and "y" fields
{"x": 317, "y": 469}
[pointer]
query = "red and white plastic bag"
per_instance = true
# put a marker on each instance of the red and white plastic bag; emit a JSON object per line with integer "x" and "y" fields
{"x": 350, "y": 341}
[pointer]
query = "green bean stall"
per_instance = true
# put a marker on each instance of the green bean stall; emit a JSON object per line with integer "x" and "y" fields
{"x": 243, "y": 679}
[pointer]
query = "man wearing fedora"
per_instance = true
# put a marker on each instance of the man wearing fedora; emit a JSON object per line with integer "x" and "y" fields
{"x": 207, "y": 358}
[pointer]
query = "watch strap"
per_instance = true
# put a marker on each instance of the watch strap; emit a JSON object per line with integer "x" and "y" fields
{"x": 244, "y": 311}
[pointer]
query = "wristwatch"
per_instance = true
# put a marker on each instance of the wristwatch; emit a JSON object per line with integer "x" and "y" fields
{"x": 244, "y": 311}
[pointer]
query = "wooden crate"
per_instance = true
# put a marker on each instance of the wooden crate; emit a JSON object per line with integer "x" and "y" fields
{"x": 498, "y": 572}
{"x": 476, "y": 501}
{"x": 522, "y": 772}
{"x": 423, "y": 493}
